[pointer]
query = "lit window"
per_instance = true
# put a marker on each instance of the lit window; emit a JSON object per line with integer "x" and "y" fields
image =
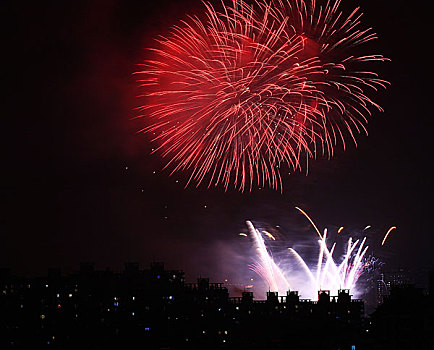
{"x": 42, "y": 317}
{"x": 70, "y": 295}
{"x": 132, "y": 314}
{"x": 46, "y": 286}
{"x": 134, "y": 298}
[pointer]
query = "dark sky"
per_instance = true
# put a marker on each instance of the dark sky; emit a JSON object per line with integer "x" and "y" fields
{"x": 79, "y": 183}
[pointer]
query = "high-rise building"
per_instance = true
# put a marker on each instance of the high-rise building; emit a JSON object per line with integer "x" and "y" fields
{"x": 387, "y": 280}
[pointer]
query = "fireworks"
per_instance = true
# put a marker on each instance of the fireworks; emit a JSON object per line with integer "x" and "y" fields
{"x": 387, "y": 234}
{"x": 256, "y": 90}
{"x": 265, "y": 266}
{"x": 291, "y": 271}
{"x": 327, "y": 275}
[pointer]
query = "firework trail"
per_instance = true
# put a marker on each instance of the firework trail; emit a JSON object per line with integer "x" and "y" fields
{"x": 265, "y": 266}
{"x": 387, "y": 234}
{"x": 255, "y": 90}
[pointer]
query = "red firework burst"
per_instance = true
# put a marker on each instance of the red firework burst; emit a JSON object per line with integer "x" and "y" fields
{"x": 255, "y": 88}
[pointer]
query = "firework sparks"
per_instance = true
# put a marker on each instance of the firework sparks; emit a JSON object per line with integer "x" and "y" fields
{"x": 340, "y": 229}
{"x": 372, "y": 263}
{"x": 328, "y": 274}
{"x": 257, "y": 88}
{"x": 310, "y": 220}
{"x": 265, "y": 266}
{"x": 387, "y": 234}
{"x": 269, "y": 235}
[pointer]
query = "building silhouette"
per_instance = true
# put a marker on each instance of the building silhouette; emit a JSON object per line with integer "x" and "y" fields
{"x": 387, "y": 280}
{"x": 405, "y": 320}
{"x": 155, "y": 308}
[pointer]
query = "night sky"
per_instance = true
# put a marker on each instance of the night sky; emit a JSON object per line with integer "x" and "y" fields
{"x": 79, "y": 184}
